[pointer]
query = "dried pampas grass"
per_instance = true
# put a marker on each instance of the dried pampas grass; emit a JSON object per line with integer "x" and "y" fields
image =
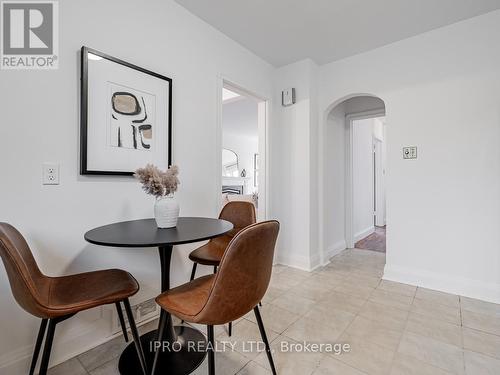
{"x": 157, "y": 182}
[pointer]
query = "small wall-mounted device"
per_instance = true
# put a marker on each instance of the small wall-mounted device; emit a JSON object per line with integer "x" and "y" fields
{"x": 288, "y": 97}
{"x": 410, "y": 152}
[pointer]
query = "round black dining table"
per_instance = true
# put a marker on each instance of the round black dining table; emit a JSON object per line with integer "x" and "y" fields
{"x": 182, "y": 358}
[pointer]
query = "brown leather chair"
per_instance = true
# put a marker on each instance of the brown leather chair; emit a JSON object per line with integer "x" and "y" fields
{"x": 55, "y": 299}
{"x": 241, "y": 215}
{"x": 238, "y": 286}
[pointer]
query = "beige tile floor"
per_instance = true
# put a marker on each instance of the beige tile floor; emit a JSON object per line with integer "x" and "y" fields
{"x": 392, "y": 328}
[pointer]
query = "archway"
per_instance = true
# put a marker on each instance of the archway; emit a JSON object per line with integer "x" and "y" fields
{"x": 338, "y": 199}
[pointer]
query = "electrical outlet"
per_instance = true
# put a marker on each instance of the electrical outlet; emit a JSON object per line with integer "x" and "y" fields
{"x": 141, "y": 312}
{"x": 410, "y": 152}
{"x": 50, "y": 174}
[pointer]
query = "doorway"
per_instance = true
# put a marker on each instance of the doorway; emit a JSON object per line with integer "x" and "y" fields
{"x": 243, "y": 148}
{"x": 340, "y": 192}
{"x": 368, "y": 168}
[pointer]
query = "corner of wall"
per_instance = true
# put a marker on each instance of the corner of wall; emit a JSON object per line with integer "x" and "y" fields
{"x": 364, "y": 233}
{"x": 333, "y": 250}
{"x": 299, "y": 155}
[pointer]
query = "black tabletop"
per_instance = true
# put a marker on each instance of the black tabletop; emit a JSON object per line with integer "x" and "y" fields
{"x": 145, "y": 233}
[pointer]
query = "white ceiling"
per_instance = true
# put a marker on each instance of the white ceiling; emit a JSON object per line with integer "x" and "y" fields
{"x": 286, "y": 31}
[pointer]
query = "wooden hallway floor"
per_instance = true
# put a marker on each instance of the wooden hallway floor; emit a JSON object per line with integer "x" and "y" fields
{"x": 374, "y": 242}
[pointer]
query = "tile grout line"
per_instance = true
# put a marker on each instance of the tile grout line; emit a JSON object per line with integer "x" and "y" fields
{"x": 342, "y": 332}
{"x": 462, "y": 334}
{"x": 404, "y": 331}
{"x": 347, "y": 327}
{"x": 426, "y": 337}
{"x": 81, "y": 364}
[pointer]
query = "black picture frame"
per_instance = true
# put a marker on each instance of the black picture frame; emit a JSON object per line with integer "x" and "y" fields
{"x": 84, "y": 96}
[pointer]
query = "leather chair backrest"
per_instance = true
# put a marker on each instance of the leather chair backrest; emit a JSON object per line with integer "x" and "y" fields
{"x": 26, "y": 280}
{"x": 243, "y": 275}
{"x": 240, "y": 214}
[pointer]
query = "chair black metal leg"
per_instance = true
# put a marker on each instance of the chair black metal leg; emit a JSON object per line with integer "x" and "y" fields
{"x": 211, "y": 350}
{"x": 161, "y": 334}
{"x": 264, "y": 338}
{"x": 48, "y": 347}
{"x": 135, "y": 335}
{"x": 48, "y": 342}
{"x": 38, "y": 345}
{"x": 122, "y": 320}
{"x": 193, "y": 271}
{"x": 260, "y": 304}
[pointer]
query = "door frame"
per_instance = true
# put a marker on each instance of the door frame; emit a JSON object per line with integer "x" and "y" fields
{"x": 349, "y": 176}
{"x": 379, "y": 181}
{"x": 264, "y": 106}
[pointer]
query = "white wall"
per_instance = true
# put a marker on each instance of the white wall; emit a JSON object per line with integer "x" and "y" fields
{"x": 240, "y": 134}
{"x": 335, "y": 169}
{"x": 363, "y": 182}
{"x": 293, "y": 187}
{"x": 239, "y": 116}
{"x": 379, "y": 128}
{"x": 441, "y": 94}
{"x": 40, "y": 122}
{"x": 380, "y": 167}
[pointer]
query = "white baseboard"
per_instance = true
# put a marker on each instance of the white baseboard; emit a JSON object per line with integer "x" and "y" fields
{"x": 315, "y": 262}
{"x": 450, "y": 284}
{"x": 74, "y": 344}
{"x": 295, "y": 261}
{"x": 364, "y": 233}
{"x": 309, "y": 264}
{"x": 333, "y": 250}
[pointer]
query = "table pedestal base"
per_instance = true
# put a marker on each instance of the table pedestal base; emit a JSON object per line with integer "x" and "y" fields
{"x": 185, "y": 356}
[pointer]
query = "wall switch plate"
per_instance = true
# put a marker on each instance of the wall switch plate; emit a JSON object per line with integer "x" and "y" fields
{"x": 50, "y": 174}
{"x": 288, "y": 97}
{"x": 410, "y": 152}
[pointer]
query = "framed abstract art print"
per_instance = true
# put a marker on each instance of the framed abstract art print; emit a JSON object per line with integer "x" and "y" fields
{"x": 126, "y": 116}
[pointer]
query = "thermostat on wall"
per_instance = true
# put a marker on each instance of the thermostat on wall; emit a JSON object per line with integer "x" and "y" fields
{"x": 288, "y": 97}
{"x": 410, "y": 152}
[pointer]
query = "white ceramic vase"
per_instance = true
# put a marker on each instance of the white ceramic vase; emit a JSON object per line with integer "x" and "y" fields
{"x": 166, "y": 211}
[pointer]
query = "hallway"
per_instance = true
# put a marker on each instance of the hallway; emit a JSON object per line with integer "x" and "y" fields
{"x": 375, "y": 241}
